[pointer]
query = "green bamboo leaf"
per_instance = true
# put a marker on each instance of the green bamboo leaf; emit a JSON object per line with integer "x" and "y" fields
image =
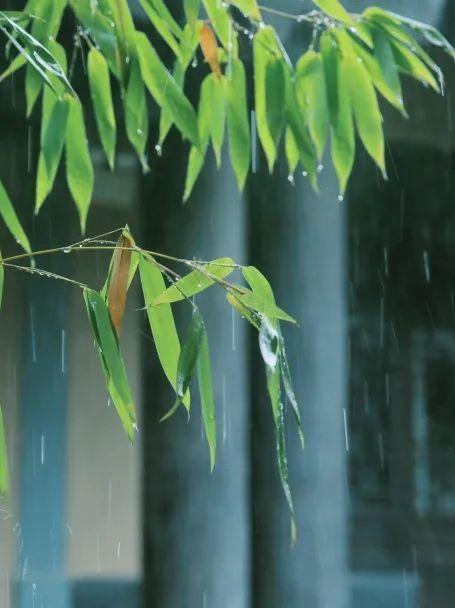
{"x": 161, "y": 321}
{"x": 366, "y": 111}
{"x": 218, "y": 121}
{"x": 197, "y": 154}
{"x": 299, "y": 129}
{"x": 245, "y": 312}
{"x": 238, "y": 122}
{"x": 220, "y": 21}
{"x": 166, "y": 121}
{"x": 275, "y": 98}
{"x": 256, "y": 302}
{"x": 207, "y": 401}
{"x": 51, "y": 150}
{"x": 112, "y": 361}
{"x": 16, "y": 64}
{"x": 161, "y": 27}
{"x": 430, "y": 33}
{"x": 4, "y": 474}
{"x": 196, "y": 281}
{"x": 120, "y": 15}
{"x": 292, "y": 152}
{"x": 410, "y": 64}
{"x": 188, "y": 359}
{"x": 289, "y": 390}
{"x": 12, "y": 221}
{"x": 258, "y": 283}
{"x": 248, "y": 7}
{"x": 100, "y": 89}
{"x": 165, "y": 90}
{"x": 264, "y": 51}
{"x": 136, "y": 113}
{"x": 312, "y": 96}
{"x": 2, "y": 279}
{"x": 159, "y": 6}
{"x": 343, "y": 135}
{"x": 383, "y": 53}
{"x": 335, "y": 9}
{"x": 191, "y": 8}
{"x": 79, "y": 168}
{"x": 33, "y": 87}
{"x": 274, "y": 390}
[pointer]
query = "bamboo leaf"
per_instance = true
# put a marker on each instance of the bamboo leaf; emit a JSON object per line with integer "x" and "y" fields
{"x": 275, "y": 98}
{"x": 366, "y": 111}
{"x": 51, "y": 150}
{"x": 237, "y": 122}
{"x": 100, "y": 89}
{"x": 218, "y": 121}
{"x": 263, "y": 45}
{"x": 292, "y": 152}
{"x": 161, "y": 321}
{"x": 312, "y": 96}
{"x": 188, "y": 359}
{"x": 260, "y": 304}
{"x": 383, "y": 53}
{"x": 16, "y": 64}
{"x": 335, "y": 9}
{"x": 165, "y": 90}
{"x": 160, "y": 7}
{"x": 207, "y": 401}
{"x": 299, "y": 129}
{"x": 136, "y": 113}
{"x": 12, "y": 221}
{"x": 248, "y": 7}
{"x": 113, "y": 365}
{"x": 161, "y": 26}
{"x": 245, "y": 312}
{"x": 79, "y": 168}
{"x": 220, "y": 20}
{"x": 274, "y": 390}
{"x": 289, "y": 390}
{"x": 410, "y": 64}
{"x": 197, "y": 154}
{"x": 119, "y": 281}
{"x": 191, "y": 8}
{"x": 196, "y": 281}
{"x": 209, "y": 47}
{"x": 4, "y": 474}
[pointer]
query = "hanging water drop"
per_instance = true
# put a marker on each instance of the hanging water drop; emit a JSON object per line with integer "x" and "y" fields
{"x": 158, "y": 149}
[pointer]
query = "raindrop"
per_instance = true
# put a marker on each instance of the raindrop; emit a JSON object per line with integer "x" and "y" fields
{"x": 291, "y": 179}
{"x": 67, "y": 250}
{"x": 159, "y": 149}
{"x": 305, "y": 173}
{"x": 426, "y": 265}
{"x": 340, "y": 198}
{"x": 139, "y": 131}
{"x": 320, "y": 168}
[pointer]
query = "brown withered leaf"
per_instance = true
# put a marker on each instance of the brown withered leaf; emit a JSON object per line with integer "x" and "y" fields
{"x": 118, "y": 281}
{"x": 209, "y": 47}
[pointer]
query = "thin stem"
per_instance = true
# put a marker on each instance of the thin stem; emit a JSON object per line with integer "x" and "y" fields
{"x": 43, "y": 273}
{"x": 285, "y": 15}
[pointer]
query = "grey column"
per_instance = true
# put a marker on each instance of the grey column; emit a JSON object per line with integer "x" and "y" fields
{"x": 299, "y": 240}
{"x": 197, "y": 523}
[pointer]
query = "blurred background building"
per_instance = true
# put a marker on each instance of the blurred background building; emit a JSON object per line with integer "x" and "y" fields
{"x": 94, "y": 522}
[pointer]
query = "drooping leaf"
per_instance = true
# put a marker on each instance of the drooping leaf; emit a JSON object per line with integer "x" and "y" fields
{"x": 335, "y": 9}
{"x": 191, "y": 8}
{"x": 161, "y": 26}
{"x": 16, "y": 64}
{"x": 274, "y": 390}
{"x": 4, "y": 473}
{"x": 197, "y": 154}
{"x": 264, "y": 51}
{"x": 383, "y": 53}
{"x": 165, "y": 90}
{"x": 111, "y": 358}
{"x": 366, "y": 111}
{"x": 100, "y": 89}
{"x": 126, "y": 240}
{"x": 246, "y": 313}
{"x": 207, "y": 400}
{"x": 161, "y": 321}
{"x": 51, "y": 150}
{"x": 136, "y": 113}
{"x": 269, "y": 343}
{"x": 237, "y": 122}
{"x": 220, "y": 20}
{"x": 299, "y": 129}
{"x": 275, "y": 98}
{"x": 260, "y": 304}
{"x": 11, "y": 220}
{"x": 218, "y": 119}
{"x": 249, "y": 8}
{"x": 430, "y": 33}
{"x": 410, "y": 64}
{"x": 196, "y": 281}
{"x": 122, "y": 19}
{"x": 312, "y": 96}
{"x": 159, "y": 6}
{"x": 188, "y": 358}
{"x": 289, "y": 390}
{"x": 292, "y": 152}
{"x": 79, "y": 167}
{"x": 209, "y": 47}
{"x": 118, "y": 281}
